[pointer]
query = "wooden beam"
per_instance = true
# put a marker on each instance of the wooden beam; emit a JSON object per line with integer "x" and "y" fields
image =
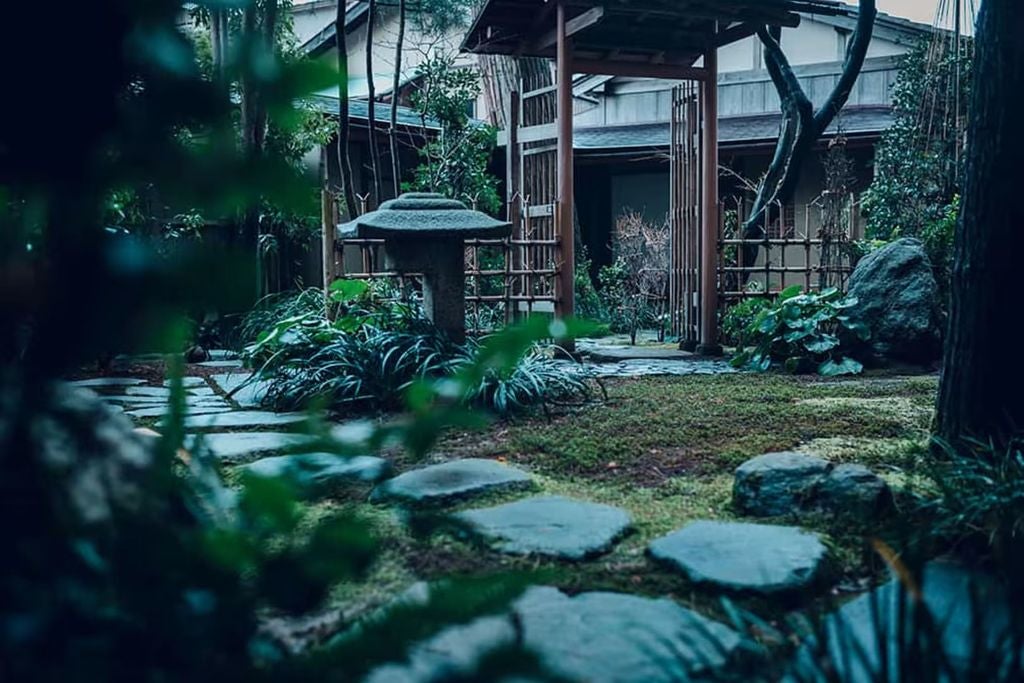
{"x": 736, "y": 33}
{"x": 565, "y": 305}
{"x": 638, "y": 69}
{"x": 525, "y": 134}
{"x": 573, "y": 26}
{"x": 709, "y": 227}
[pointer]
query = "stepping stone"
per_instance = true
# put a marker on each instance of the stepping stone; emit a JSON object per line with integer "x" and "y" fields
{"x": 614, "y": 354}
{"x": 136, "y": 400}
{"x": 189, "y": 382}
{"x": 777, "y": 483}
{"x": 221, "y": 364}
{"x": 237, "y": 445}
{"x": 222, "y": 354}
{"x": 965, "y": 606}
{"x": 108, "y": 382}
{"x": 549, "y": 525}
{"x": 249, "y": 396}
{"x": 591, "y": 637}
{"x": 316, "y": 474}
{"x": 451, "y": 481}
{"x": 160, "y": 411}
{"x": 243, "y": 418}
{"x": 162, "y": 392}
{"x": 759, "y": 558}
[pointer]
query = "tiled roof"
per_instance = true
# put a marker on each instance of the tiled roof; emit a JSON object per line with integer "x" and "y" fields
{"x": 733, "y": 130}
{"x": 359, "y": 110}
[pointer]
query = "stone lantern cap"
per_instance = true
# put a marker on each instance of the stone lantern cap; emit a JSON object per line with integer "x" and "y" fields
{"x": 424, "y": 215}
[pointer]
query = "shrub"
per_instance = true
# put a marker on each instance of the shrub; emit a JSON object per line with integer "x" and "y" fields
{"x": 634, "y": 287}
{"x": 805, "y": 332}
{"x": 374, "y": 350}
{"x": 738, "y": 319}
{"x": 536, "y": 379}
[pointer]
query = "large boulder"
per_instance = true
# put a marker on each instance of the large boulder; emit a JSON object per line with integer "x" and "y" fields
{"x": 898, "y": 299}
{"x": 787, "y": 483}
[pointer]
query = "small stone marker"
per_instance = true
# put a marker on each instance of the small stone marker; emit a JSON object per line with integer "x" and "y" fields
{"x": 760, "y": 558}
{"x": 549, "y": 525}
{"x": 451, "y": 481}
{"x": 243, "y": 418}
{"x": 237, "y": 445}
{"x": 98, "y": 382}
{"x": 315, "y": 474}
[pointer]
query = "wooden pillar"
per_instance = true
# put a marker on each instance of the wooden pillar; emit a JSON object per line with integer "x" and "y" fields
{"x": 566, "y": 304}
{"x": 709, "y": 229}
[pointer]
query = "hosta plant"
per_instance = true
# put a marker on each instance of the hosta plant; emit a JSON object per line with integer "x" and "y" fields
{"x": 806, "y": 332}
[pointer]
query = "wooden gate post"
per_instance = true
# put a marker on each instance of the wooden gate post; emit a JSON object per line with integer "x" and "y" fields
{"x": 709, "y": 230}
{"x": 565, "y": 305}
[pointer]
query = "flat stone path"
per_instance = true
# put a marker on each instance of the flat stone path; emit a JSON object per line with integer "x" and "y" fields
{"x": 242, "y": 418}
{"x": 451, "y": 481}
{"x": 231, "y": 446}
{"x": 593, "y": 637}
{"x": 652, "y": 368}
{"x": 758, "y": 558}
{"x": 549, "y": 525}
{"x": 318, "y": 474}
{"x": 248, "y": 396}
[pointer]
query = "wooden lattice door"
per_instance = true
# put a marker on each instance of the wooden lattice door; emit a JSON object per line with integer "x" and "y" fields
{"x": 685, "y": 214}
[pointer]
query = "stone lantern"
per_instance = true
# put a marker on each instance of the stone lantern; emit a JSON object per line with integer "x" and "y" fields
{"x": 425, "y": 233}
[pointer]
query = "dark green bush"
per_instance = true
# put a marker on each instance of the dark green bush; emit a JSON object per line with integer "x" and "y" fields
{"x": 811, "y": 332}
{"x": 737, "y": 320}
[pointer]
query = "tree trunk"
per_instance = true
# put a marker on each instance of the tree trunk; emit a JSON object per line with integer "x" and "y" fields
{"x": 982, "y": 380}
{"x": 371, "y": 101}
{"x": 344, "y": 126}
{"x": 396, "y": 164}
{"x": 801, "y": 125}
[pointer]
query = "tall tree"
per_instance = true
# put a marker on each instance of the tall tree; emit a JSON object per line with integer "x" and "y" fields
{"x": 802, "y": 126}
{"x": 371, "y": 100}
{"x": 396, "y": 164}
{"x": 344, "y": 125}
{"x": 982, "y": 380}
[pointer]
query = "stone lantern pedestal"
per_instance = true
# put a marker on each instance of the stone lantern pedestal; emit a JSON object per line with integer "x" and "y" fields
{"x": 425, "y": 233}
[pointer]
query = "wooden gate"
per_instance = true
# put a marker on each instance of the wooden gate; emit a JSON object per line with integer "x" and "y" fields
{"x": 685, "y": 215}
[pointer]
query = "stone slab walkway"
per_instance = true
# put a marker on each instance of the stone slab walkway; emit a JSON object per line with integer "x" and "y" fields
{"x": 758, "y": 558}
{"x": 549, "y": 525}
{"x": 451, "y": 481}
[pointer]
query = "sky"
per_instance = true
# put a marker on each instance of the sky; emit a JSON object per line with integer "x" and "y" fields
{"x": 918, "y": 10}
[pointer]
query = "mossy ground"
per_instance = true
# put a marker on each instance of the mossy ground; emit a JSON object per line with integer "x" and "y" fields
{"x": 664, "y": 449}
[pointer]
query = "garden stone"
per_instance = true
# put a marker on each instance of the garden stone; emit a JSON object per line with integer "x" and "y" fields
{"x": 898, "y": 299}
{"x": 614, "y": 354}
{"x": 189, "y": 382}
{"x": 221, "y": 364}
{"x": 593, "y": 637}
{"x": 856, "y": 490}
{"x": 315, "y": 474}
{"x": 161, "y": 392}
{"x": 451, "y": 481}
{"x": 549, "y": 525}
{"x": 160, "y": 411}
{"x": 758, "y": 558}
{"x": 243, "y": 418}
{"x": 249, "y": 396}
{"x": 238, "y": 445}
{"x": 777, "y": 484}
{"x": 613, "y": 637}
{"x": 966, "y": 606}
{"x": 100, "y": 382}
{"x": 222, "y": 354}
